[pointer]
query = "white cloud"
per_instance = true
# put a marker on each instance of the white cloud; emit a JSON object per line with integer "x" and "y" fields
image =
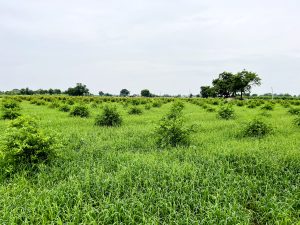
{"x": 136, "y": 44}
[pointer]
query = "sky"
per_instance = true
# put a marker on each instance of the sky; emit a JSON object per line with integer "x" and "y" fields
{"x": 166, "y": 46}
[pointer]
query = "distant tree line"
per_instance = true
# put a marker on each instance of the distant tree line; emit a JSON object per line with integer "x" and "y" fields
{"x": 230, "y": 85}
{"x": 226, "y": 85}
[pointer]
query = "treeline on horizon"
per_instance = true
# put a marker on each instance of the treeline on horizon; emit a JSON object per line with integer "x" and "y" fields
{"x": 227, "y": 85}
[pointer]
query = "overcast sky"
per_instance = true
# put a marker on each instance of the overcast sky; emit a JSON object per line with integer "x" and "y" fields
{"x": 167, "y": 46}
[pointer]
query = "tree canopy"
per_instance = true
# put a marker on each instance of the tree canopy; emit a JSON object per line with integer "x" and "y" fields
{"x": 124, "y": 92}
{"x": 229, "y": 84}
{"x": 145, "y": 93}
{"x": 79, "y": 90}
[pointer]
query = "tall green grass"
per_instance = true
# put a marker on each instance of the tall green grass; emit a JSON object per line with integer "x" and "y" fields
{"x": 116, "y": 175}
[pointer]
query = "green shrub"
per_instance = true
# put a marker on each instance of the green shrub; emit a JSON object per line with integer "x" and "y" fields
{"x": 134, "y": 110}
{"x": 257, "y": 128}
{"x": 267, "y": 107}
{"x": 297, "y": 121}
{"x": 24, "y": 142}
{"x": 10, "y": 114}
{"x": 109, "y": 117}
{"x": 94, "y": 105}
{"x": 54, "y": 105}
{"x": 147, "y": 107}
{"x": 177, "y": 107}
{"x": 157, "y": 104}
{"x": 226, "y": 112}
{"x": 171, "y": 131}
{"x": 252, "y": 105}
{"x": 65, "y": 108}
{"x": 10, "y": 104}
{"x": 294, "y": 111}
{"x": 265, "y": 113}
{"x": 10, "y": 109}
{"x": 210, "y": 109}
{"x": 80, "y": 110}
{"x": 240, "y": 103}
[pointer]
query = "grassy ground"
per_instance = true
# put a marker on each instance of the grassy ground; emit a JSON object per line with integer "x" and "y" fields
{"x": 118, "y": 176}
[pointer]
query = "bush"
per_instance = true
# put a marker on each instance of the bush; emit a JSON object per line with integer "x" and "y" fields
{"x": 10, "y": 114}
{"x": 294, "y": 111}
{"x": 147, "y": 107}
{"x": 257, "y": 128}
{"x": 10, "y": 110}
{"x": 134, "y": 110}
{"x": 267, "y": 107}
{"x": 252, "y": 105}
{"x": 240, "y": 103}
{"x": 297, "y": 121}
{"x": 226, "y": 112}
{"x": 177, "y": 107}
{"x": 54, "y": 105}
{"x": 94, "y": 105}
{"x": 171, "y": 131}
{"x": 210, "y": 109}
{"x": 65, "y": 108}
{"x": 80, "y": 110}
{"x": 109, "y": 117}
{"x": 265, "y": 113}
{"x": 25, "y": 143}
{"x": 157, "y": 104}
{"x": 10, "y": 104}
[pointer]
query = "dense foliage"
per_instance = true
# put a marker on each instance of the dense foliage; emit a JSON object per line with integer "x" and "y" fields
{"x": 24, "y": 142}
{"x": 110, "y": 117}
{"x": 226, "y": 112}
{"x": 257, "y": 128}
{"x": 80, "y": 110}
{"x": 172, "y": 132}
{"x": 229, "y": 84}
{"x": 10, "y": 109}
{"x": 229, "y": 174}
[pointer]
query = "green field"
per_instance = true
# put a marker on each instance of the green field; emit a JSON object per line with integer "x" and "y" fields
{"x": 118, "y": 175}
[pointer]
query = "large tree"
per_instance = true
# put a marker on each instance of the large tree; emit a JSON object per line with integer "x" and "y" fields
{"x": 223, "y": 84}
{"x": 145, "y": 93}
{"x": 243, "y": 82}
{"x": 79, "y": 90}
{"x": 207, "y": 91}
{"x": 124, "y": 92}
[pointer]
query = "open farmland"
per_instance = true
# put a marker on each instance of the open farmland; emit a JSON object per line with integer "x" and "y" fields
{"x": 119, "y": 175}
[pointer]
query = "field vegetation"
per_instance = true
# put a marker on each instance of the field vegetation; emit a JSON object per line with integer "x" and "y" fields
{"x": 121, "y": 160}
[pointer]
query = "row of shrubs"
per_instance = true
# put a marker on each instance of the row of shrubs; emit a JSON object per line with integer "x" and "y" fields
{"x": 25, "y": 142}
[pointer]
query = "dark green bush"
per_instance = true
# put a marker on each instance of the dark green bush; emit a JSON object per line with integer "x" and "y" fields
{"x": 135, "y": 110}
{"x": 267, "y": 107}
{"x": 10, "y": 104}
{"x": 251, "y": 105}
{"x": 210, "y": 109}
{"x": 10, "y": 114}
{"x": 10, "y": 109}
{"x": 157, "y": 104}
{"x": 257, "y": 128}
{"x": 80, "y": 110}
{"x": 294, "y": 111}
{"x": 226, "y": 112}
{"x": 65, "y": 108}
{"x": 109, "y": 117}
{"x": 171, "y": 131}
{"x": 240, "y": 103}
{"x": 297, "y": 121}
{"x": 24, "y": 142}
